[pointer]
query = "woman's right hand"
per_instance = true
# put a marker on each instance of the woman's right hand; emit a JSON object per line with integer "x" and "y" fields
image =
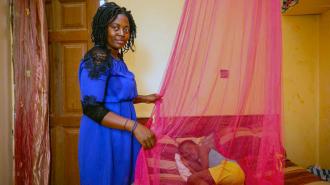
{"x": 145, "y": 136}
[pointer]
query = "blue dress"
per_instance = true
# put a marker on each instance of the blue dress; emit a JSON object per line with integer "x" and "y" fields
{"x": 107, "y": 156}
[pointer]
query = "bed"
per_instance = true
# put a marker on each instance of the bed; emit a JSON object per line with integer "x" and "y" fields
{"x": 169, "y": 175}
{"x": 295, "y": 175}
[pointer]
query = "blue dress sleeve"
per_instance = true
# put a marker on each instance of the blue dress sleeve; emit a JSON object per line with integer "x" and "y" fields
{"x": 93, "y": 78}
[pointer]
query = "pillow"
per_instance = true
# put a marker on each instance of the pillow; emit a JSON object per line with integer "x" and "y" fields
{"x": 165, "y": 165}
{"x": 183, "y": 170}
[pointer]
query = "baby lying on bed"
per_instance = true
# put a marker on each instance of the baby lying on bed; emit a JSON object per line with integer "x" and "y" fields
{"x": 202, "y": 165}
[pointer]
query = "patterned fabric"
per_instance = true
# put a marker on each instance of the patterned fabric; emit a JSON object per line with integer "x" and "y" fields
{"x": 96, "y": 63}
{"x": 294, "y": 175}
{"x": 316, "y": 170}
{"x": 93, "y": 109}
{"x": 31, "y": 97}
{"x": 287, "y": 4}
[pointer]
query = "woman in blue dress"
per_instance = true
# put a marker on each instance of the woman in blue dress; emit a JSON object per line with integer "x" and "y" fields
{"x": 110, "y": 137}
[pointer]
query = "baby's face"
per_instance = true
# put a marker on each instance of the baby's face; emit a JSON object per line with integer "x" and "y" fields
{"x": 189, "y": 151}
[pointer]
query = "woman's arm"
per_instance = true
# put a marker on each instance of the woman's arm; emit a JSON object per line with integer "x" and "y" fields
{"x": 151, "y": 98}
{"x": 97, "y": 112}
{"x": 142, "y": 133}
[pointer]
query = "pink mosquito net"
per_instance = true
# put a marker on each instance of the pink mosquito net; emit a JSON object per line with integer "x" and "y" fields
{"x": 222, "y": 89}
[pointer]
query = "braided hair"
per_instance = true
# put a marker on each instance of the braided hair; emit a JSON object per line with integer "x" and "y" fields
{"x": 105, "y": 15}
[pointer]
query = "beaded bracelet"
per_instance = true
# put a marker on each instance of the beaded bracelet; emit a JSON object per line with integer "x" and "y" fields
{"x": 134, "y": 126}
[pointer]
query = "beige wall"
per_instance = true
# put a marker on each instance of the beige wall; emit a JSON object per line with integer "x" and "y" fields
{"x": 324, "y": 91}
{"x": 157, "y": 23}
{"x": 306, "y": 69}
{"x": 5, "y": 97}
{"x": 300, "y": 60}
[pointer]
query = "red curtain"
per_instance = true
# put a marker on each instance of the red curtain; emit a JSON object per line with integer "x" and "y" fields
{"x": 32, "y": 147}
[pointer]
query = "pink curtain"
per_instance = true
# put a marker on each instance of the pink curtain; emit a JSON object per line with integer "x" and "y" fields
{"x": 32, "y": 147}
{"x": 222, "y": 87}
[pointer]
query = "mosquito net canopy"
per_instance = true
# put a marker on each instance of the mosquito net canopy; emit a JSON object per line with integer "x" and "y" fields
{"x": 221, "y": 94}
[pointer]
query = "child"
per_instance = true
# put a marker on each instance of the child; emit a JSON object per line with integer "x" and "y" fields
{"x": 208, "y": 167}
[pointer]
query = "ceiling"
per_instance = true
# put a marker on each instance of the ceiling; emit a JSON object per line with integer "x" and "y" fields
{"x": 305, "y": 7}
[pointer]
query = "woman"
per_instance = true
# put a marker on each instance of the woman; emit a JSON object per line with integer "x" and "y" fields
{"x": 110, "y": 137}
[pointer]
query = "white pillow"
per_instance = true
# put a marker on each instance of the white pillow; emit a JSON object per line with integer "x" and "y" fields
{"x": 183, "y": 170}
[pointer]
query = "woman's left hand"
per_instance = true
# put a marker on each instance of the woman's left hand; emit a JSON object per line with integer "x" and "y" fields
{"x": 151, "y": 98}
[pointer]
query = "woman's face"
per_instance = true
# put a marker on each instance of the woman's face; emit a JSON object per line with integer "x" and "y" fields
{"x": 118, "y": 32}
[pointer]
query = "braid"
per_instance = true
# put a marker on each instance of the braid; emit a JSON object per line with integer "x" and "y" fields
{"x": 106, "y": 14}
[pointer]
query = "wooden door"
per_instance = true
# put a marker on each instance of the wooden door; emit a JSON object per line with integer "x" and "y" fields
{"x": 69, "y": 23}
